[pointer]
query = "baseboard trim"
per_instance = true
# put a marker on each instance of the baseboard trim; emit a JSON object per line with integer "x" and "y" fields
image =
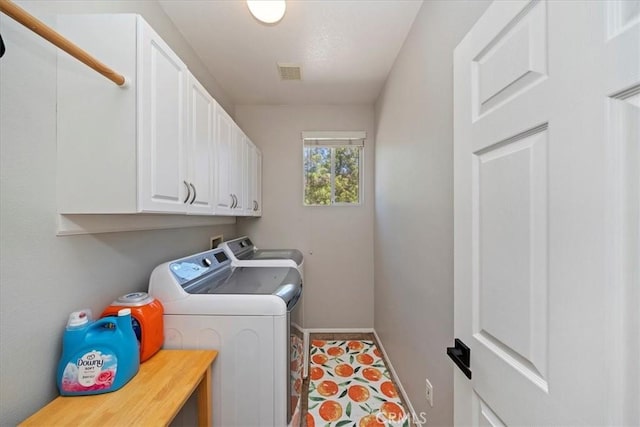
{"x": 416, "y": 419}
{"x": 339, "y": 330}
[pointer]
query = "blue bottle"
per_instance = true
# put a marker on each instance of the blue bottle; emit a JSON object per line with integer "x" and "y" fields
{"x": 97, "y": 356}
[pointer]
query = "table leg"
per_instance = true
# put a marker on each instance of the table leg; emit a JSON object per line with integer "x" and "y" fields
{"x": 205, "y": 418}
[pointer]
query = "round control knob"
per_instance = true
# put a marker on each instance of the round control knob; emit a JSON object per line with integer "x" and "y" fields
{"x": 206, "y": 262}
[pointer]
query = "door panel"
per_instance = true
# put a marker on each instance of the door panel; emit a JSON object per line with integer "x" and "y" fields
{"x": 484, "y": 416}
{"x": 509, "y": 224}
{"x": 546, "y": 153}
{"x": 514, "y": 60}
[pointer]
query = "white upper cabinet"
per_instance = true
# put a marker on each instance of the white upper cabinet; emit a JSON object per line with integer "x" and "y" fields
{"x": 160, "y": 144}
{"x": 121, "y": 150}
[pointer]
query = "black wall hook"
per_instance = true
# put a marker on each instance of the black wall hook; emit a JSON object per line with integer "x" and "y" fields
{"x": 2, "y": 49}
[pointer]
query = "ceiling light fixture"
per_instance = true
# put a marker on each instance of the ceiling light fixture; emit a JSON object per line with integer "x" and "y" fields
{"x": 267, "y": 11}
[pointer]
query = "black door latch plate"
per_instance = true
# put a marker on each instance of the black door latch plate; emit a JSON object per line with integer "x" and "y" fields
{"x": 461, "y": 356}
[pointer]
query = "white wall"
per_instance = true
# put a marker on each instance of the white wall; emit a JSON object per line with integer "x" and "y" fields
{"x": 414, "y": 205}
{"x": 337, "y": 242}
{"x": 155, "y": 16}
{"x": 43, "y": 277}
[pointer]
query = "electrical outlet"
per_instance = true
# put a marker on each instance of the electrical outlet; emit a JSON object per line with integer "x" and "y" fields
{"x": 216, "y": 240}
{"x": 429, "y": 393}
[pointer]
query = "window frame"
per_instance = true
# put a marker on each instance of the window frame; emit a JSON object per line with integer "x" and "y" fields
{"x": 333, "y": 140}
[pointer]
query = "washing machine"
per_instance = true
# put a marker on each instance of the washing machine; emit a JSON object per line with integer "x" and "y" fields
{"x": 245, "y": 314}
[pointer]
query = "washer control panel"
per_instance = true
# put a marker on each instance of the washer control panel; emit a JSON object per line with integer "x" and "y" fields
{"x": 190, "y": 268}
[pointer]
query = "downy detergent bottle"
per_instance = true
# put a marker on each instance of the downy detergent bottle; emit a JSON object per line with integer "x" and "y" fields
{"x": 97, "y": 356}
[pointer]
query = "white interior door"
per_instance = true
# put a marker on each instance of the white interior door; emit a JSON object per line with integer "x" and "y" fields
{"x": 546, "y": 214}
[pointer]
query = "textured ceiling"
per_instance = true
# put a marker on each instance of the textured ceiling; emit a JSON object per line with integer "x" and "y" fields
{"x": 345, "y": 47}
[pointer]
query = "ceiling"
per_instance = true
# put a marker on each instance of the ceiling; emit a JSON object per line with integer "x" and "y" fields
{"x": 345, "y": 47}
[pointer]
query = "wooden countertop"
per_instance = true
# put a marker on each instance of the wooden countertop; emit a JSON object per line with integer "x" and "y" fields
{"x": 153, "y": 397}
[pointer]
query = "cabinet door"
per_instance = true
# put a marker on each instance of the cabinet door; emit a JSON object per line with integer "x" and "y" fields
{"x": 223, "y": 145}
{"x": 243, "y": 170}
{"x": 161, "y": 125}
{"x": 199, "y": 179}
{"x": 249, "y": 198}
{"x": 258, "y": 183}
{"x": 253, "y": 174}
{"x": 237, "y": 169}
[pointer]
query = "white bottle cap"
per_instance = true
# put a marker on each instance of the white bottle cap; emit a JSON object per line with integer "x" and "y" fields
{"x": 124, "y": 312}
{"x": 79, "y": 318}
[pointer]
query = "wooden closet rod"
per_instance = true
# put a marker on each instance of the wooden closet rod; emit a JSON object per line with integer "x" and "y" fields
{"x": 14, "y": 11}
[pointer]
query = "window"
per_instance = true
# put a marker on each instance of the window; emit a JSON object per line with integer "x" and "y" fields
{"x": 332, "y": 168}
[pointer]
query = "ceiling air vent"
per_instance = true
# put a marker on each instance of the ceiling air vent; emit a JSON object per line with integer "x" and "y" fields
{"x": 289, "y": 71}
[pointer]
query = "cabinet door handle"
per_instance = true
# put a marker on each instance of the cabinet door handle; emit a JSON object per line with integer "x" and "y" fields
{"x": 194, "y": 193}
{"x": 233, "y": 201}
{"x": 188, "y": 192}
{"x": 255, "y": 205}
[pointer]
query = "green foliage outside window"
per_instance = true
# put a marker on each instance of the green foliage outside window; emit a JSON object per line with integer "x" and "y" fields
{"x": 332, "y": 171}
